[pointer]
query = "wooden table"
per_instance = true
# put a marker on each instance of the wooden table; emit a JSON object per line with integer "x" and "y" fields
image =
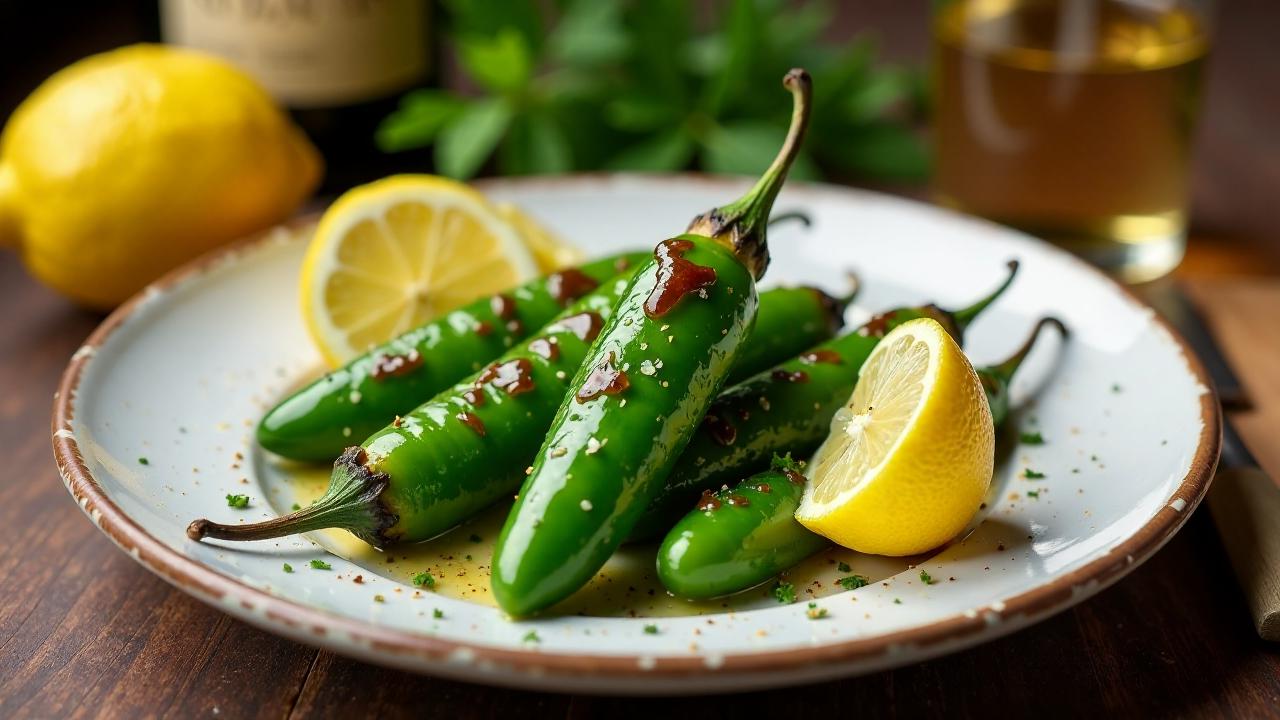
{"x": 86, "y": 631}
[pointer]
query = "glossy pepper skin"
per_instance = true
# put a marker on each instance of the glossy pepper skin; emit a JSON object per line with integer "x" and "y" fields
{"x": 788, "y": 321}
{"x": 640, "y": 395}
{"x": 739, "y": 537}
{"x": 786, "y": 409}
{"x": 352, "y": 402}
{"x": 431, "y": 470}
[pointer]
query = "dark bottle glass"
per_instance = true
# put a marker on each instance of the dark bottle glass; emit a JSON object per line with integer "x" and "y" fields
{"x": 339, "y": 66}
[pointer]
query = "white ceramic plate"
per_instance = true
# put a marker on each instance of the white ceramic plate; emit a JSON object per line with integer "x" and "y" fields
{"x": 180, "y": 374}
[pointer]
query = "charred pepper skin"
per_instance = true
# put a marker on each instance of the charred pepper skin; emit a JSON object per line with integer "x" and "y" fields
{"x": 640, "y": 395}
{"x": 441, "y": 473}
{"x": 429, "y": 472}
{"x": 578, "y": 504}
{"x": 788, "y": 321}
{"x": 785, "y": 409}
{"x": 741, "y": 536}
{"x": 352, "y": 402}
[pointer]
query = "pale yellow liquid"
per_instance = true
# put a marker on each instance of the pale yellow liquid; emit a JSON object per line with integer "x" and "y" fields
{"x": 626, "y": 587}
{"x": 1071, "y": 119}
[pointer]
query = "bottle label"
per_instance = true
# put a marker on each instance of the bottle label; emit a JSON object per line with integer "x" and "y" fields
{"x": 310, "y": 53}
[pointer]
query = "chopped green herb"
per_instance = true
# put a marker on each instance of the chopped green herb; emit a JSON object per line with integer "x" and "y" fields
{"x": 1032, "y": 474}
{"x": 476, "y": 538}
{"x": 785, "y": 592}
{"x": 288, "y": 568}
{"x": 843, "y": 566}
{"x": 814, "y": 612}
{"x": 1093, "y": 458}
{"x": 143, "y": 461}
{"x": 926, "y": 578}
{"x": 437, "y": 613}
{"x": 853, "y": 582}
{"x": 320, "y": 565}
{"x": 650, "y": 629}
{"x": 238, "y": 501}
{"x": 1033, "y": 494}
{"x": 1075, "y": 471}
{"x": 1031, "y": 438}
{"x": 531, "y": 637}
{"x": 296, "y": 506}
{"x": 897, "y": 601}
{"x": 424, "y": 579}
{"x": 379, "y": 598}
{"x": 1115, "y": 388}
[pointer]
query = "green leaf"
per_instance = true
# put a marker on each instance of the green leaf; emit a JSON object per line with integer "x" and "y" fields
{"x": 501, "y": 62}
{"x": 485, "y": 18}
{"x": 536, "y": 145}
{"x": 660, "y": 30}
{"x": 799, "y": 26}
{"x": 641, "y": 113}
{"x": 469, "y": 139}
{"x": 747, "y": 148}
{"x": 667, "y": 152}
{"x": 743, "y": 37}
{"x": 879, "y": 92}
{"x": 416, "y": 123}
{"x": 590, "y": 32}
{"x": 882, "y": 150}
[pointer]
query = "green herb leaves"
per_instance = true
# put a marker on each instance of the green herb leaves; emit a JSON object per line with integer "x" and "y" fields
{"x": 853, "y": 582}
{"x": 239, "y": 502}
{"x": 630, "y": 85}
{"x": 785, "y": 592}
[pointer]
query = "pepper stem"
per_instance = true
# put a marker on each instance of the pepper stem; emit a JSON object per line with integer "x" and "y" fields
{"x": 966, "y": 315}
{"x": 1006, "y": 369}
{"x": 741, "y": 224}
{"x": 790, "y": 215}
{"x": 350, "y": 503}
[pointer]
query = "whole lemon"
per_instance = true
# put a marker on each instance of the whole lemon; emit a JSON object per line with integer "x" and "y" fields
{"x": 125, "y": 164}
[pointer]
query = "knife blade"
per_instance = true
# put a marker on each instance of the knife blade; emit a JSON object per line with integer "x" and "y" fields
{"x": 1173, "y": 304}
{"x": 1243, "y": 500}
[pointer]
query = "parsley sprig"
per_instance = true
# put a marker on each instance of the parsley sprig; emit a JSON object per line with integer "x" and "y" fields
{"x": 639, "y": 85}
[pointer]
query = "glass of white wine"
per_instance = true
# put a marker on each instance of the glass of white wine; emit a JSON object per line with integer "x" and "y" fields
{"x": 1072, "y": 120}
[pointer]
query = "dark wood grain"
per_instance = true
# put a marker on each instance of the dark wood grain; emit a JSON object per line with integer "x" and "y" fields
{"x": 84, "y": 631}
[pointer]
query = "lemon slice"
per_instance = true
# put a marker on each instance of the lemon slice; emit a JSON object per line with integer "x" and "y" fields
{"x": 909, "y": 458}
{"x": 396, "y": 253}
{"x": 549, "y": 250}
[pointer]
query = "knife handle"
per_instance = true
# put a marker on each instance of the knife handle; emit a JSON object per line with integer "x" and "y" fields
{"x": 1245, "y": 504}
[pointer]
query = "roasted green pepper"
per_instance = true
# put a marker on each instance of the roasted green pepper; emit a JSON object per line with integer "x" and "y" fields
{"x": 788, "y": 408}
{"x": 436, "y": 466}
{"x": 739, "y": 537}
{"x": 658, "y": 364}
{"x": 352, "y": 402}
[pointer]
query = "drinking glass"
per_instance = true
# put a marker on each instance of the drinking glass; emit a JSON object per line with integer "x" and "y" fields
{"x": 1072, "y": 120}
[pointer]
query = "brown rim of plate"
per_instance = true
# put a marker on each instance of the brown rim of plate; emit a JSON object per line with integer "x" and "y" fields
{"x": 299, "y": 621}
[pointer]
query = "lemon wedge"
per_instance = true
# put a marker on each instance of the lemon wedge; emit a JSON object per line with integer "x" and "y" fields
{"x": 399, "y": 252}
{"x": 549, "y": 250}
{"x": 910, "y": 456}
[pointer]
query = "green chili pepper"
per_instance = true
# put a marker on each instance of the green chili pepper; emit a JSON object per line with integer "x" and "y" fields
{"x": 739, "y": 537}
{"x": 788, "y": 321}
{"x": 354, "y": 401}
{"x": 637, "y": 399}
{"x": 788, "y": 408}
{"x": 469, "y": 446}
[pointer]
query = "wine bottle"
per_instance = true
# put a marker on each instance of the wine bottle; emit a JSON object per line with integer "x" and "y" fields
{"x": 339, "y": 66}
